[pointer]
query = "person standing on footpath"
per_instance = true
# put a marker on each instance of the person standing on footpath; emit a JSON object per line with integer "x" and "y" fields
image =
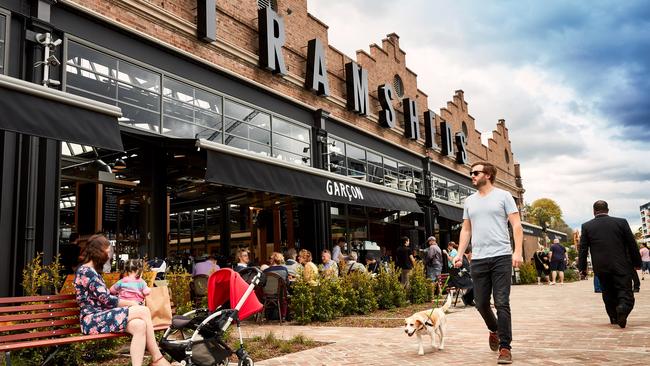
{"x": 558, "y": 261}
{"x": 433, "y": 259}
{"x": 404, "y": 260}
{"x": 614, "y": 254}
{"x": 485, "y": 221}
{"x": 645, "y": 259}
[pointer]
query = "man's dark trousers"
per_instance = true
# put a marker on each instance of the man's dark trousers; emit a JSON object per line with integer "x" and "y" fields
{"x": 494, "y": 276}
{"x": 617, "y": 292}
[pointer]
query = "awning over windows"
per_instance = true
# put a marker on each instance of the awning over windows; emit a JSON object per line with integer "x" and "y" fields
{"x": 35, "y": 110}
{"x": 266, "y": 175}
{"x": 450, "y": 212}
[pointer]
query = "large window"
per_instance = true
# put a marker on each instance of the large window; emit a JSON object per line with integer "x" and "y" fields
{"x": 449, "y": 190}
{"x": 4, "y": 31}
{"x": 162, "y": 103}
{"x": 354, "y": 161}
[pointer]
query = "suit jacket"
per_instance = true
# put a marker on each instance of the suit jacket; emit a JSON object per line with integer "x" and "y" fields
{"x": 611, "y": 243}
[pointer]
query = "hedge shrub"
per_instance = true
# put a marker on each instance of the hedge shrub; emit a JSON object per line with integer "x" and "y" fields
{"x": 420, "y": 289}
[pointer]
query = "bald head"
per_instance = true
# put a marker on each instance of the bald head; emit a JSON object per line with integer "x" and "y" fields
{"x": 600, "y": 207}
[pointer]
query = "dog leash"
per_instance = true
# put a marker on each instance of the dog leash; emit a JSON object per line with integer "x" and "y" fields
{"x": 444, "y": 286}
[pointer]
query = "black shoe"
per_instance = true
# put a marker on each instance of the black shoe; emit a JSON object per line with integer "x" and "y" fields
{"x": 612, "y": 320}
{"x": 621, "y": 316}
{"x": 636, "y": 290}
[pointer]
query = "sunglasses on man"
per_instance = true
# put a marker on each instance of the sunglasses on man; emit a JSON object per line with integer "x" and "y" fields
{"x": 475, "y": 173}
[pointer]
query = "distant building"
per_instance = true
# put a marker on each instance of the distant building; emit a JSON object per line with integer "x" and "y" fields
{"x": 645, "y": 222}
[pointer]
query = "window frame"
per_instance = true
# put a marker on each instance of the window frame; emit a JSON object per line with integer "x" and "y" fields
{"x": 164, "y": 75}
{"x": 5, "y": 57}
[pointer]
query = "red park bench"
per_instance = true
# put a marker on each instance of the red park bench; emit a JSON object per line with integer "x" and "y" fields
{"x": 43, "y": 321}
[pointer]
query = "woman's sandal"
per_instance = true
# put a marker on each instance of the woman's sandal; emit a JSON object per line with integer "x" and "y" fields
{"x": 155, "y": 363}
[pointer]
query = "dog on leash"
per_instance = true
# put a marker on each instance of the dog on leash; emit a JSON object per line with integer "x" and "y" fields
{"x": 432, "y": 322}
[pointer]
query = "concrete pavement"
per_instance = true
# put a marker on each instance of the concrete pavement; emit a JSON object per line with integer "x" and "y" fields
{"x": 552, "y": 325}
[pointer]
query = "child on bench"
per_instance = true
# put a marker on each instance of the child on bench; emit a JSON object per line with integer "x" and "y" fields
{"x": 132, "y": 286}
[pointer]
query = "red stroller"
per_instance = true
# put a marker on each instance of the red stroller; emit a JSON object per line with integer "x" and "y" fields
{"x": 196, "y": 338}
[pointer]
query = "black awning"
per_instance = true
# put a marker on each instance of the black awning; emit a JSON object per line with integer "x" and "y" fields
{"x": 450, "y": 212}
{"x": 239, "y": 171}
{"x": 35, "y": 110}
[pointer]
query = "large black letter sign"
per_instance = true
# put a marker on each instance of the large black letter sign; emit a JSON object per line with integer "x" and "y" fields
{"x": 271, "y": 37}
{"x": 461, "y": 155}
{"x": 387, "y": 113}
{"x": 206, "y": 19}
{"x": 411, "y": 126}
{"x": 430, "y": 130}
{"x": 356, "y": 82}
{"x": 316, "y": 79}
{"x": 447, "y": 139}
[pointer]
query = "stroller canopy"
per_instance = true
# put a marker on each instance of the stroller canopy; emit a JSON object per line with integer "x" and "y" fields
{"x": 226, "y": 284}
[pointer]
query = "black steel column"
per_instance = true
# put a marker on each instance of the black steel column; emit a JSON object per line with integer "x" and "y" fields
{"x": 322, "y": 235}
{"x": 225, "y": 228}
{"x": 8, "y": 198}
{"x": 156, "y": 181}
{"x": 47, "y": 206}
{"x": 426, "y": 200}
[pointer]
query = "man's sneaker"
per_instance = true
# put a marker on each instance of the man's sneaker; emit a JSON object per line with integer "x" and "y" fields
{"x": 612, "y": 320}
{"x": 494, "y": 341}
{"x": 505, "y": 356}
{"x": 621, "y": 316}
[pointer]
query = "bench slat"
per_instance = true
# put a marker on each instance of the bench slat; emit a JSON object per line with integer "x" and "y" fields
{"x": 58, "y": 305}
{"x": 22, "y": 299}
{"x": 8, "y": 347}
{"x": 44, "y": 315}
{"x": 35, "y": 325}
{"x": 42, "y": 334}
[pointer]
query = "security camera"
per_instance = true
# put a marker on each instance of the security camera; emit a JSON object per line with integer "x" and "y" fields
{"x": 53, "y": 61}
{"x": 56, "y": 43}
{"x": 52, "y": 82}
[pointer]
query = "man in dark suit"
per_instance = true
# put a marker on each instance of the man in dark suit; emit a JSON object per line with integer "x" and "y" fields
{"x": 614, "y": 254}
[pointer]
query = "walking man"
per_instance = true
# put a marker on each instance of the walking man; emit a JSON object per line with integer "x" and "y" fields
{"x": 558, "y": 261}
{"x": 645, "y": 259}
{"x": 614, "y": 255}
{"x": 485, "y": 220}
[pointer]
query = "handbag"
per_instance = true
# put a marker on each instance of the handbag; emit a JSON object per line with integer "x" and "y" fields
{"x": 159, "y": 305}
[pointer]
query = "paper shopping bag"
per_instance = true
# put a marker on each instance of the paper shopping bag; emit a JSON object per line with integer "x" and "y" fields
{"x": 160, "y": 306}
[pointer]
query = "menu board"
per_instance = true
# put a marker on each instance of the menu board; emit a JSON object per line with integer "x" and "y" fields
{"x": 111, "y": 200}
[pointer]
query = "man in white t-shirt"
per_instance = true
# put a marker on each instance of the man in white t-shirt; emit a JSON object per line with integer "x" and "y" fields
{"x": 485, "y": 220}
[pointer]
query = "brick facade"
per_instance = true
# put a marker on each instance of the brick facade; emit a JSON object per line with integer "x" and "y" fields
{"x": 173, "y": 23}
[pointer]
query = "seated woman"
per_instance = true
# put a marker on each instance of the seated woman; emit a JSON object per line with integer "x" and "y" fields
{"x": 310, "y": 271}
{"x": 102, "y": 312}
{"x": 277, "y": 266}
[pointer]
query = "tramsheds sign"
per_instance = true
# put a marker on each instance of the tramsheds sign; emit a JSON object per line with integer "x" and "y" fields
{"x": 271, "y": 41}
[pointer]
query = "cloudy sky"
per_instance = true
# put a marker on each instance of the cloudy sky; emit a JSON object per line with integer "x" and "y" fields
{"x": 571, "y": 79}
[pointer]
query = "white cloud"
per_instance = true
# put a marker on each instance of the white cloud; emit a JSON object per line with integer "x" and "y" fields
{"x": 569, "y": 150}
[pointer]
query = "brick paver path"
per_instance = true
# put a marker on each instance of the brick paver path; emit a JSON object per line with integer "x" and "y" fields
{"x": 552, "y": 325}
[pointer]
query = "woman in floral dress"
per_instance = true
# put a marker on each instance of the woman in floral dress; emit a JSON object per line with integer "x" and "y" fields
{"x": 102, "y": 312}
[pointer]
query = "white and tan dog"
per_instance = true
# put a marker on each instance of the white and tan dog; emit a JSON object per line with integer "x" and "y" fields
{"x": 430, "y": 322}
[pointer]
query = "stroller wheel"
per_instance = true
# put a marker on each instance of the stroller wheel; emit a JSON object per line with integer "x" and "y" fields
{"x": 246, "y": 361}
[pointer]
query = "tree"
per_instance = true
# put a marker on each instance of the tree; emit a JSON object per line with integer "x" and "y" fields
{"x": 545, "y": 210}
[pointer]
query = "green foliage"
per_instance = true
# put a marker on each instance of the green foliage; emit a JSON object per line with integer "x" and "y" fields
{"x": 420, "y": 287}
{"x": 178, "y": 281}
{"x": 571, "y": 252}
{"x": 39, "y": 278}
{"x": 330, "y": 299}
{"x": 527, "y": 273}
{"x": 302, "y": 302}
{"x": 390, "y": 292}
{"x": 362, "y": 283}
{"x": 75, "y": 354}
{"x": 571, "y": 275}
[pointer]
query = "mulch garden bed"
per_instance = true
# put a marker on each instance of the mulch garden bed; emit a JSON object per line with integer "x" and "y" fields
{"x": 379, "y": 319}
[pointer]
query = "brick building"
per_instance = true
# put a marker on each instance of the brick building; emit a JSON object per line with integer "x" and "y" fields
{"x": 177, "y": 128}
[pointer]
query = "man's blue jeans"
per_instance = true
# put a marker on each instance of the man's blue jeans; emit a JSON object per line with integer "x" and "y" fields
{"x": 493, "y": 276}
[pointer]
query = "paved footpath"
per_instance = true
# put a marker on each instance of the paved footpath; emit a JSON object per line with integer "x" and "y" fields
{"x": 552, "y": 325}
